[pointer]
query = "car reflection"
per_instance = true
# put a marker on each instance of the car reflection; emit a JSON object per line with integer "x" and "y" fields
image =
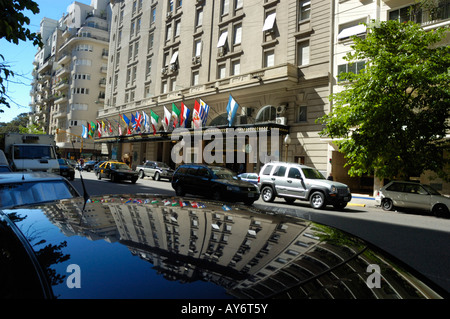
{"x": 251, "y": 254}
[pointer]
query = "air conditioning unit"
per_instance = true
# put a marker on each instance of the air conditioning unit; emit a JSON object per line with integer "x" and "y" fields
{"x": 221, "y": 51}
{"x": 164, "y": 70}
{"x": 173, "y": 67}
{"x": 169, "y": 15}
{"x": 281, "y": 109}
{"x": 196, "y": 60}
{"x": 281, "y": 120}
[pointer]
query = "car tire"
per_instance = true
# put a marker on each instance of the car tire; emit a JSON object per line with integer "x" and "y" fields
{"x": 113, "y": 178}
{"x": 156, "y": 177}
{"x": 441, "y": 211}
{"x": 179, "y": 191}
{"x": 317, "y": 200}
{"x": 267, "y": 194}
{"x": 141, "y": 174}
{"x": 99, "y": 177}
{"x": 387, "y": 204}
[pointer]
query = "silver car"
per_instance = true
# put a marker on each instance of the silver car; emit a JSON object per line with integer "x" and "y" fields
{"x": 155, "y": 170}
{"x": 413, "y": 195}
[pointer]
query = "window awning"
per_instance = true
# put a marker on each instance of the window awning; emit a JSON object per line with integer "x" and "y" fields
{"x": 174, "y": 58}
{"x": 222, "y": 39}
{"x": 270, "y": 22}
{"x": 354, "y": 30}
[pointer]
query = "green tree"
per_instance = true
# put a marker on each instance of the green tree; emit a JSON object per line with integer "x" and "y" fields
{"x": 13, "y": 29}
{"x": 391, "y": 119}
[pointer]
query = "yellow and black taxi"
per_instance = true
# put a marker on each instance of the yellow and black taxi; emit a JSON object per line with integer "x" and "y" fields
{"x": 116, "y": 172}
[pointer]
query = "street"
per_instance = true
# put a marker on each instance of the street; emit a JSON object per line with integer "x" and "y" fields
{"x": 420, "y": 241}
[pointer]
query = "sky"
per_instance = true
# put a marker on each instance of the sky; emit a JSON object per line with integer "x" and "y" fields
{"x": 20, "y": 58}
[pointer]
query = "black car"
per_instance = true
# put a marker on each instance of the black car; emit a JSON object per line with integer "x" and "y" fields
{"x": 116, "y": 172}
{"x": 65, "y": 169}
{"x": 155, "y": 247}
{"x": 216, "y": 182}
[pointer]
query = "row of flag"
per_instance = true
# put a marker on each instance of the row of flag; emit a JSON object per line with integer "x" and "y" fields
{"x": 141, "y": 122}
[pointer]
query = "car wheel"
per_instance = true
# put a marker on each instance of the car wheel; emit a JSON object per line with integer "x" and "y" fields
{"x": 133, "y": 181}
{"x": 317, "y": 200}
{"x": 340, "y": 205}
{"x": 99, "y": 177}
{"x": 156, "y": 177}
{"x": 387, "y": 204}
{"x": 441, "y": 211}
{"x": 179, "y": 191}
{"x": 267, "y": 194}
{"x": 289, "y": 200}
{"x": 113, "y": 178}
{"x": 141, "y": 174}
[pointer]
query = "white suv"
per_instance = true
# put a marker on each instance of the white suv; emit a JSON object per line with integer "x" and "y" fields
{"x": 294, "y": 181}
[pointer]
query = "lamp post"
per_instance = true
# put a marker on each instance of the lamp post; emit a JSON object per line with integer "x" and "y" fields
{"x": 287, "y": 141}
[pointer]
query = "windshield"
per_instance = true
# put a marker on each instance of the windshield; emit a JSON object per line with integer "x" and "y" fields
{"x": 119, "y": 166}
{"x": 312, "y": 173}
{"x": 162, "y": 165}
{"x": 33, "y": 152}
{"x": 29, "y": 193}
{"x": 224, "y": 173}
{"x": 62, "y": 161}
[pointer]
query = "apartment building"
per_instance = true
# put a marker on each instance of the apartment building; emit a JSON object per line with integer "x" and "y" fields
{"x": 70, "y": 75}
{"x": 272, "y": 57}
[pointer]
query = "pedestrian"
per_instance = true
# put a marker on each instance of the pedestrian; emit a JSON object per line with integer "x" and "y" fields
{"x": 330, "y": 177}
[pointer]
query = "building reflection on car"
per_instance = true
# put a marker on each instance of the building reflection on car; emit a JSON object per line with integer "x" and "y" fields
{"x": 150, "y": 246}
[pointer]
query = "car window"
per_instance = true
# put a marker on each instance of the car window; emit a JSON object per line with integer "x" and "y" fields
{"x": 294, "y": 173}
{"x": 312, "y": 173}
{"x": 267, "y": 170}
{"x": 279, "y": 171}
{"x": 162, "y": 165}
{"x": 203, "y": 172}
{"x": 224, "y": 173}
{"x": 431, "y": 190}
{"x": 395, "y": 187}
{"x": 192, "y": 171}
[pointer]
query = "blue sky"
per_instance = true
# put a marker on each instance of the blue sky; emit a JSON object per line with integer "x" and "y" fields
{"x": 20, "y": 57}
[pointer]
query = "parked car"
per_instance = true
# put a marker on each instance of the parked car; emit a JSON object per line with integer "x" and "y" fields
{"x": 412, "y": 195}
{"x": 249, "y": 177}
{"x": 65, "y": 169}
{"x": 156, "y": 170}
{"x": 89, "y": 165}
{"x": 72, "y": 162}
{"x": 23, "y": 188}
{"x": 58, "y": 251}
{"x": 116, "y": 172}
{"x": 293, "y": 181}
{"x": 215, "y": 182}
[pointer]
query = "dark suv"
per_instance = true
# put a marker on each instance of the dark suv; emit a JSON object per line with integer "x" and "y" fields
{"x": 215, "y": 182}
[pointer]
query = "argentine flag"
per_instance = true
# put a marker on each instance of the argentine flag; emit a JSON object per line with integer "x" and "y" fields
{"x": 231, "y": 110}
{"x": 85, "y": 132}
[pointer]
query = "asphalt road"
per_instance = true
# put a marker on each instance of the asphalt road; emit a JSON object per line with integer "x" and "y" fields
{"x": 419, "y": 240}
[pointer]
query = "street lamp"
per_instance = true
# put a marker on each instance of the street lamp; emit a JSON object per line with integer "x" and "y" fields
{"x": 287, "y": 141}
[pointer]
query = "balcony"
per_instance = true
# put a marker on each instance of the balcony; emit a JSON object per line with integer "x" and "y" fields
{"x": 62, "y": 98}
{"x": 62, "y": 85}
{"x": 62, "y": 71}
{"x": 64, "y": 59}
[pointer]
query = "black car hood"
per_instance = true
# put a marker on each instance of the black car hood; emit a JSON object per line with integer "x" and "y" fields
{"x": 149, "y": 246}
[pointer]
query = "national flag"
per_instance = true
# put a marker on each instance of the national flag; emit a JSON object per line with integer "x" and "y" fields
{"x": 185, "y": 112}
{"x": 104, "y": 126}
{"x": 145, "y": 122}
{"x": 84, "y": 133}
{"x": 110, "y": 126}
{"x": 99, "y": 126}
{"x": 204, "y": 110}
{"x": 196, "y": 116}
{"x": 154, "y": 119}
{"x": 231, "y": 110}
{"x": 125, "y": 119}
{"x": 167, "y": 118}
{"x": 120, "y": 129}
{"x": 134, "y": 124}
{"x": 175, "y": 115}
{"x": 138, "y": 121}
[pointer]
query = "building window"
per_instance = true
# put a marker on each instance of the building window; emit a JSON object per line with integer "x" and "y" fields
{"x": 151, "y": 37}
{"x": 238, "y": 4}
{"x": 221, "y": 71}
{"x": 236, "y": 67}
{"x": 303, "y": 53}
{"x": 225, "y": 6}
{"x": 409, "y": 13}
{"x": 199, "y": 18}
{"x": 300, "y": 113}
{"x": 304, "y": 10}
{"x": 269, "y": 58}
{"x": 148, "y": 69}
{"x": 354, "y": 68}
{"x": 197, "y": 47}
{"x": 237, "y": 34}
{"x": 177, "y": 28}
{"x": 168, "y": 32}
{"x": 195, "y": 78}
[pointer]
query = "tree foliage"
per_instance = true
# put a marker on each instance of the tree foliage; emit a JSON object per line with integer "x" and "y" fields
{"x": 391, "y": 119}
{"x": 13, "y": 29}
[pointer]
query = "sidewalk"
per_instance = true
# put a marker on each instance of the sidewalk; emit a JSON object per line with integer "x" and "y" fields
{"x": 362, "y": 200}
